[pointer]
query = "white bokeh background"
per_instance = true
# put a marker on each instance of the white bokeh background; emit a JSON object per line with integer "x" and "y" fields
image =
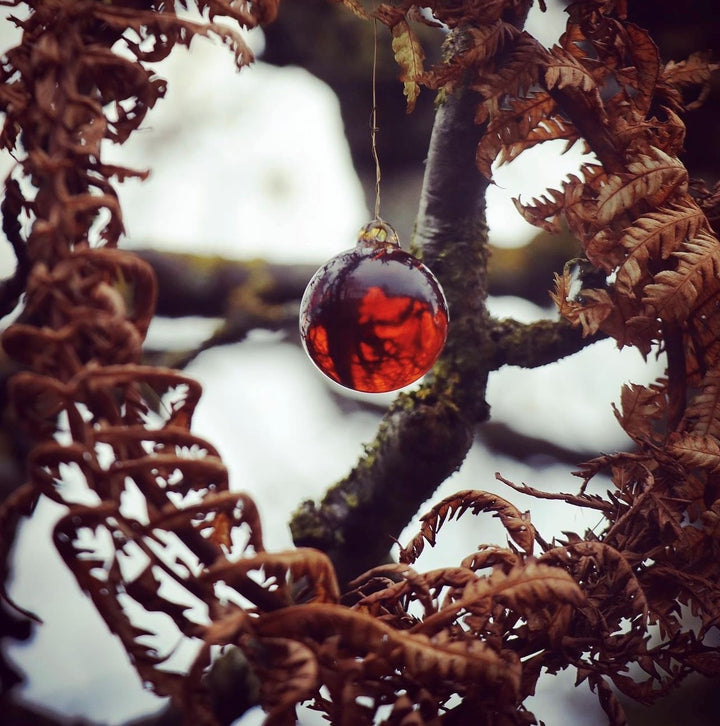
{"x": 255, "y": 164}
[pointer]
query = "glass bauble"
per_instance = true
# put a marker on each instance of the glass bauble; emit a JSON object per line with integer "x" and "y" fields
{"x": 374, "y": 318}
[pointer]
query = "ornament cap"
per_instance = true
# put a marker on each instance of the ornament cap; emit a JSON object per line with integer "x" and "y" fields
{"x": 378, "y": 231}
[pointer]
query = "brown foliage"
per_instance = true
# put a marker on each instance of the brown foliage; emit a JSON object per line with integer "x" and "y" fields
{"x": 436, "y": 647}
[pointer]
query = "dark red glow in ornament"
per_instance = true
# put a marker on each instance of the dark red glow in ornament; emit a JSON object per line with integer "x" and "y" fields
{"x": 374, "y": 318}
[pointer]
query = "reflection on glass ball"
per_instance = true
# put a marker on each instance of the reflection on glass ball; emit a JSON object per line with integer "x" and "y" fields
{"x": 374, "y": 318}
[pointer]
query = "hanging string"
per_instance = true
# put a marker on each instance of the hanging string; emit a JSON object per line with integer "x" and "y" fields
{"x": 373, "y": 123}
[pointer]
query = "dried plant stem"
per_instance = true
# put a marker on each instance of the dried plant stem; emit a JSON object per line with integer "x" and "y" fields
{"x": 374, "y": 123}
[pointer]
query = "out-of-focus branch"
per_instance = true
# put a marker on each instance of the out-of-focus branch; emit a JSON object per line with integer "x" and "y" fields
{"x": 205, "y": 286}
{"x": 246, "y": 295}
{"x": 256, "y": 294}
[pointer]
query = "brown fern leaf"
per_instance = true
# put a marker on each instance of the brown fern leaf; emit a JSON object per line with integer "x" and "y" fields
{"x": 703, "y": 412}
{"x": 597, "y": 310}
{"x": 545, "y": 212}
{"x": 181, "y": 30}
{"x": 652, "y": 178}
{"x": 668, "y": 135}
{"x": 472, "y": 663}
{"x": 405, "y": 712}
{"x": 591, "y": 501}
{"x": 216, "y": 518}
{"x": 605, "y": 250}
{"x": 618, "y": 583}
{"x": 511, "y": 126}
{"x": 552, "y": 128}
{"x": 517, "y": 74}
{"x": 608, "y": 701}
{"x": 646, "y": 64}
{"x": 655, "y": 236}
{"x": 288, "y": 672}
{"x": 641, "y": 408}
{"x": 592, "y": 309}
{"x": 491, "y": 556}
{"x": 574, "y": 41}
{"x": 381, "y": 593}
{"x": 100, "y": 575}
{"x": 602, "y": 309}
{"x": 485, "y": 42}
{"x": 288, "y": 574}
{"x": 697, "y": 70}
{"x": 409, "y": 55}
{"x": 696, "y": 590}
{"x": 481, "y": 45}
{"x": 698, "y": 450}
{"x": 521, "y": 589}
{"x": 566, "y": 70}
{"x": 708, "y": 200}
{"x": 564, "y": 296}
{"x": 702, "y": 337}
{"x": 574, "y": 200}
{"x": 674, "y": 293}
{"x": 515, "y": 522}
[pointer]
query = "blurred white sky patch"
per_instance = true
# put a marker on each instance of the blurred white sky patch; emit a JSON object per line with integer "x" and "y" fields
{"x": 549, "y": 25}
{"x": 538, "y": 168}
{"x": 569, "y": 401}
{"x": 245, "y": 164}
{"x": 530, "y": 175}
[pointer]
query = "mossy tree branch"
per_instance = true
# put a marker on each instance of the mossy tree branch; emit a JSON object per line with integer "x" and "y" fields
{"x": 536, "y": 344}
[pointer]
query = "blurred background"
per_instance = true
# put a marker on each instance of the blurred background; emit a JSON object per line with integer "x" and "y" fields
{"x": 274, "y": 163}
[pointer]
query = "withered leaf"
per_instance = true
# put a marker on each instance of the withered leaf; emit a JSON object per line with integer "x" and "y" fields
{"x": 703, "y": 411}
{"x": 409, "y": 55}
{"x": 515, "y": 522}
{"x": 697, "y": 70}
{"x": 698, "y": 450}
{"x": 673, "y": 293}
{"x": 655, "y": 236}
{"x": 642, "y": 407}
{"x": 566, "y": 70}
{"x": 653, "y": 178}
{"x": 288, "y": 672}
{"x": 646, "y": 60}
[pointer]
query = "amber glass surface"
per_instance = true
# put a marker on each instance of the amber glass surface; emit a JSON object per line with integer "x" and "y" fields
{"x": 374, "y": 318}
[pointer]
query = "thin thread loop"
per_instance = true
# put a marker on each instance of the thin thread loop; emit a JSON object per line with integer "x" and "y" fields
{"x": 373, "y": 123}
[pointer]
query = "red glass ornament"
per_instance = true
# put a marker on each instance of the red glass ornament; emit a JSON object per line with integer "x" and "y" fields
{"x": 374, "y": 318}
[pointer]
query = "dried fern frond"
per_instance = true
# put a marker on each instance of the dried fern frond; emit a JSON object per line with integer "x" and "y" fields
{"x": 702, "y": 416}
{"x": 674, "y": 293}
{"x": 654, "y": 237}
{"x": 653, "y": 179}
{"x": 515, "y": 522}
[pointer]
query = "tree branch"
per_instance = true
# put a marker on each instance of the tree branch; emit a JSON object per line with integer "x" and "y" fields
{"x": 536, "y": 344}
{"x": 210, "y": 284}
